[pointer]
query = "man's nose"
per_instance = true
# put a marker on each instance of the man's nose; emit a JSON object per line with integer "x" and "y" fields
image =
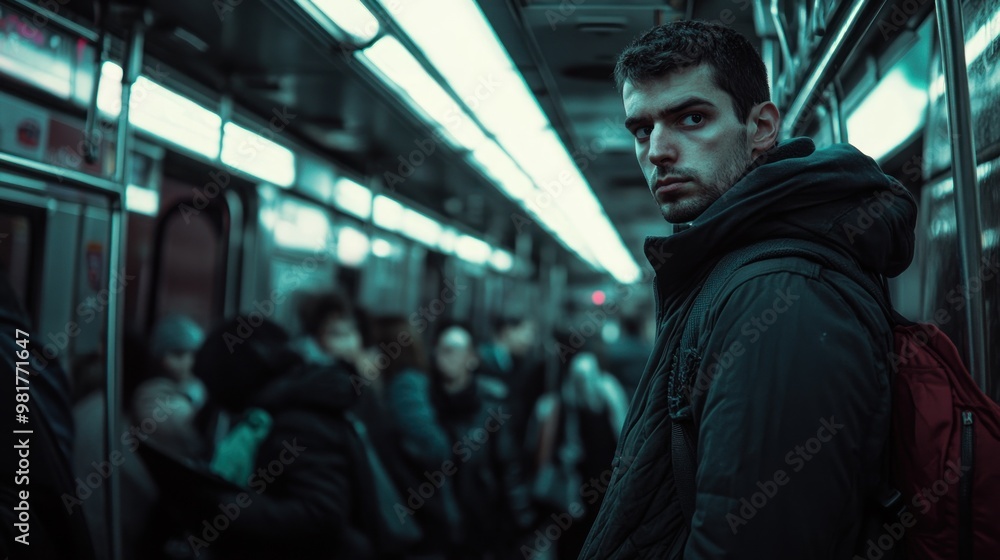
{"x": 662, "y": 148}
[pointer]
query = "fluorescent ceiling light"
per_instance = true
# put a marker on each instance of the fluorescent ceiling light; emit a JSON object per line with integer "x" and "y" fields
{"x": 498, "y": 166}
{"x": 476, "y": 66}
{"x": 258, "y": 156}
{"x": 473, "y": 250}
{"x": 502, "y": 260}
{"x": 301, "y": 226}
{"x": 382, "y": 248}
{"x": 402, "y": 72}
{"x": 388, "y": 214}
{"x": 894, "y": 100}
{"x": 448, "y": 240}
{"x": 352, "y": 198}
{"x": 470, "y": 56}
{"x": 351, "y": 16}
{"x": 161, "y": 112}
{"x": 352, "y": 246}
{"x": 420, "y": 228}
{"x": 142, "y": 200}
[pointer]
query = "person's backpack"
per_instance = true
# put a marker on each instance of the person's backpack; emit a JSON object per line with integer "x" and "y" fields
{"x": 940, "y": 495}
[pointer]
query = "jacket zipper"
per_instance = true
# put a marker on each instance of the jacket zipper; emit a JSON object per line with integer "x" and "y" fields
{"x": 965, "y": 489}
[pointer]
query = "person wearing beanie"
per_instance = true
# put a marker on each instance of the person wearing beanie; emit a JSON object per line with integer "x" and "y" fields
{"x": 171, "y": 396}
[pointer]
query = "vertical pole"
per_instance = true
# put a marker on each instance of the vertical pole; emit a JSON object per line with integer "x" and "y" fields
{"x": 967, "y": 198}
{"x": 131, "y": 66}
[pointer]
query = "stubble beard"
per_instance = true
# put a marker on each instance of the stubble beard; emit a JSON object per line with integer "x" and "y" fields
{"x": 707, "y": 191}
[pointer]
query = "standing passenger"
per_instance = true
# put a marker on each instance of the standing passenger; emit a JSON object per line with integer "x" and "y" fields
{"x": 489, "y": 487}
{"x": 789, "y": 351}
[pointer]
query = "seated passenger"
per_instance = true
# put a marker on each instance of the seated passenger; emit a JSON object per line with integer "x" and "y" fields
{"x": 171, "y": 395}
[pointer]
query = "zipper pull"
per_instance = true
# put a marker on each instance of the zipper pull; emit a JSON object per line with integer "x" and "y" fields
{"x": 967, "y": 417}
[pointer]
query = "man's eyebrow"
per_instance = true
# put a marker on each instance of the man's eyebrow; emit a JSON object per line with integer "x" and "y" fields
{"x": 674, "y": 109}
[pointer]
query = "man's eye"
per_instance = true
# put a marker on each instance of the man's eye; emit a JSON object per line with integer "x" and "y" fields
{"x": 693, "y": 119}
{"x": 643, "y": 132}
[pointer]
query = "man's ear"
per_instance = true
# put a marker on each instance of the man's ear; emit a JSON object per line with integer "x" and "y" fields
{"x": 763, "y": 127}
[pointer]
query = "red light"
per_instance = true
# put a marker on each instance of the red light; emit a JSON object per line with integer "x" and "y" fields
{"x": 597, "y": 297}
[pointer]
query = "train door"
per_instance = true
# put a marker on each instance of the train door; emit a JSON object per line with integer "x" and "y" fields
{"x": 57, "y": 247}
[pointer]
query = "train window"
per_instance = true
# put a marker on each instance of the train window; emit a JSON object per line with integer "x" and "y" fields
{"x": 15, "y": 252}
{"x": 895, "y": 110}
{"x": 190, "y": 274}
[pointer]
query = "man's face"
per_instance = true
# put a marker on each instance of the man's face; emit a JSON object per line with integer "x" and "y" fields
{"x": 340, "y": 338}
{"x": 690, "y": 145}
{"x": 455, "y": 355}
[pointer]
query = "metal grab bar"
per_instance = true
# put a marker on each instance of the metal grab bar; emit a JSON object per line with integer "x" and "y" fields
{"x": 951, "y": 30}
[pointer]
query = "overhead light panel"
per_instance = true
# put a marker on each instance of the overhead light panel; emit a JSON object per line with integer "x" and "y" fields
{"x": 477, "y": 67}
{"x": 142, "y": 200}
{"x": 352, "y": 246}
{"x": 352, "y": 198}
{"x": 388, "y": 214}
{"x": 161, "y": 112}
{"x": 252, "y": 153}
{"x": 398, "y": 68}
{"x": 420, "y": 228}
{"x": 473, "y": 250}
{"x": 351, "y": 16}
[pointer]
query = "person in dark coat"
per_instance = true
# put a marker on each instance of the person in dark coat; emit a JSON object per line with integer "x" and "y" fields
{"x": 491, "y": 492}
{"x": 310, "y": 491}
{"x": 422, "y": 446}
{"x": 791, "y": 351}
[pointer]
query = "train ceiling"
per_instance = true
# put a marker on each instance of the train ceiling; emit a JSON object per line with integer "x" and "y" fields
{"x": 268, "y": 55}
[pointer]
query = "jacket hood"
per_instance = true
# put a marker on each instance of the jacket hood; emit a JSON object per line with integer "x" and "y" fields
{"x": 326, "y": 388}
{"x": 836, "y": 196}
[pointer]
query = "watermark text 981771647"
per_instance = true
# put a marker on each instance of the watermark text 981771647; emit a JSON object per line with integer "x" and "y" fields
{"x": 22, "y": 436}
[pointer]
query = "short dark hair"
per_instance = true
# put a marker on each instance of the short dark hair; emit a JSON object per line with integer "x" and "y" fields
{"x": 316, "y": 309}
{"x": 736, "y": 64}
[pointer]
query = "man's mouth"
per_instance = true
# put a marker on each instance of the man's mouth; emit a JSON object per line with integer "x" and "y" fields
{"x": 668, "y": 188}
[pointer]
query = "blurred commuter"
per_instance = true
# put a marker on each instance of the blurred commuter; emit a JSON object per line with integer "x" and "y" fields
{"x": 575, "y": 433}
{"x": 36, "y": 525}
{"x": 626, "y": 357}
{"x": 510, "y": 359}
{"x": 310, "y": 490}
{"x": 171, "y": 395}
{"x": 422, "y": 444}
{"x": 489, "y": 486}
{"x": 330, "y": 329}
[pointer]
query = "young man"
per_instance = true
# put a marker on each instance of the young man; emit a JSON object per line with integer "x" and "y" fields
{"x": 790, "y": 410}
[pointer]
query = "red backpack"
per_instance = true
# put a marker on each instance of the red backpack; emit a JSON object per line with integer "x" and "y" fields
{"x": 945, "y": 451}
{"x": 941, "y": 494}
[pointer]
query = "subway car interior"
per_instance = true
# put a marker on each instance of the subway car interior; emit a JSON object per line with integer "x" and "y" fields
{"x": 188, "y": 164}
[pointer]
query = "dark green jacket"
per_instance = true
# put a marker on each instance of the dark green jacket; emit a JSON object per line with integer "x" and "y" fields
{"x": 792, "y": 404}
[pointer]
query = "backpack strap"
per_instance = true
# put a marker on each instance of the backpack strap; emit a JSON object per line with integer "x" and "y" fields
{"x": 683, "y": 432}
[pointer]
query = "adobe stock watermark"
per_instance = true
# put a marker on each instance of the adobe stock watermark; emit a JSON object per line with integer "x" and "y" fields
{"x": 455, "y": 121}
{"x": 752, "y": 329}
{"x": 922, "y": 501}
{"x": 87, "y": 311}
{"x": 131, "y": 438}
{"x": 590, "y": 492}
{"x": 420, "y": 320}
{"x": 229, "y": 511}
{"x": 465, "y": 448}
{"x": 590, "y": 326}
{"x": 768, "y": 489}
{"x": 247, "y": 150}
{"x": 247, "y": 323}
